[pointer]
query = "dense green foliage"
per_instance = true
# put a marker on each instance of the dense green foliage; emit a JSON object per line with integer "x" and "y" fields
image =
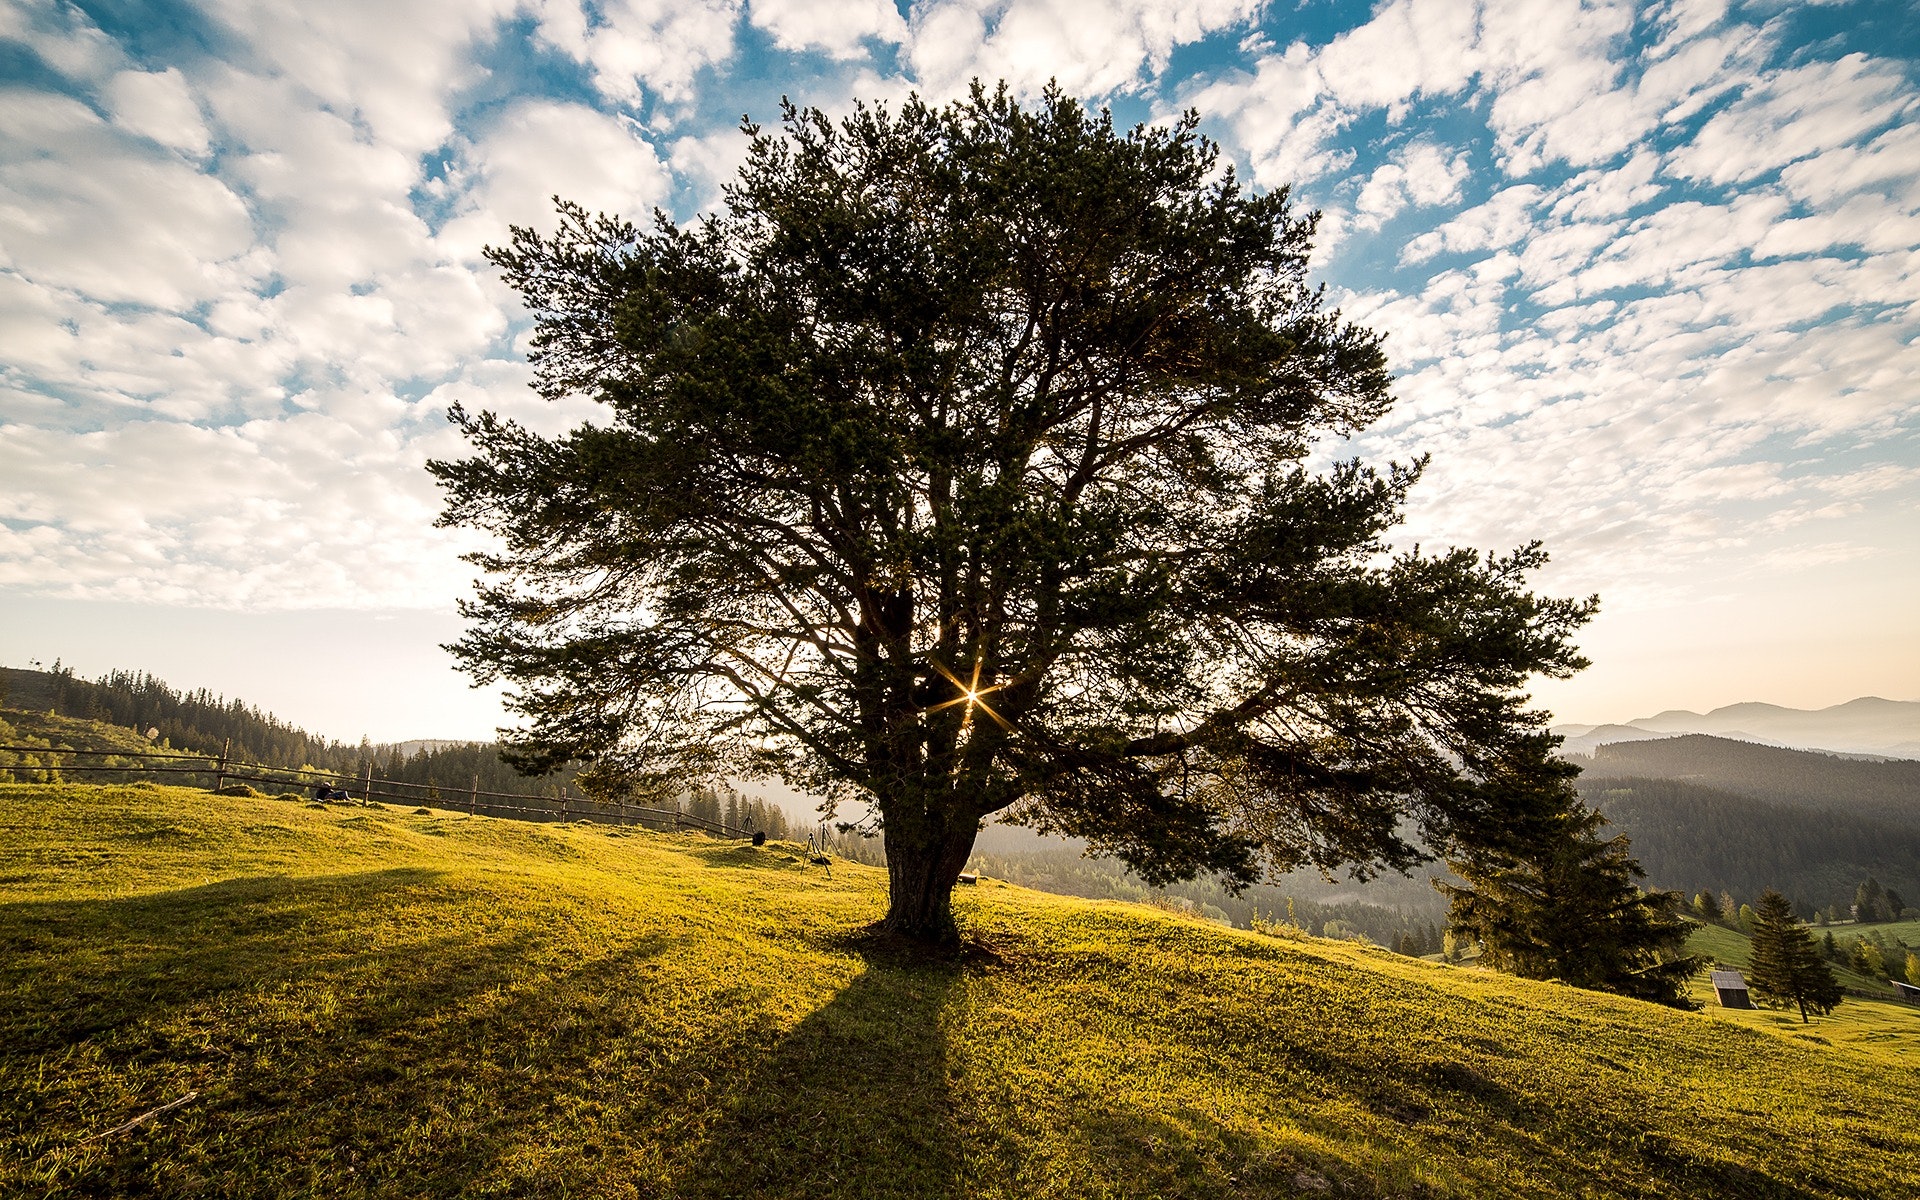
{"x": 1550, "y": 898}
{"x": 1872, "y": 902}
{"x": 963, "y": 463}
{"x": 381, "y": 1004}
{"x": 1785, "y": 969}
{"x": 1694, "y": 833}
{"x": 39, "y": 738}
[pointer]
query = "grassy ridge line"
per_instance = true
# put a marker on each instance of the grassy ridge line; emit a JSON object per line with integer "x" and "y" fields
{"x": 383, "y": 1003}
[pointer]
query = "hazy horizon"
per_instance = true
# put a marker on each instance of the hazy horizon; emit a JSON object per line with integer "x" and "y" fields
{"x": 238, "y": 663}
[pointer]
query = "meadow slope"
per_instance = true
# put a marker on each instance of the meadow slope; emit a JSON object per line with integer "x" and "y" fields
{"x": 391, "y": 1003}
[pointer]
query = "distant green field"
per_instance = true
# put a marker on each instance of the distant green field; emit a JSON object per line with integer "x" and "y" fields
{"x": 1898, "y": 931}
{"x": 384, "y": 1003}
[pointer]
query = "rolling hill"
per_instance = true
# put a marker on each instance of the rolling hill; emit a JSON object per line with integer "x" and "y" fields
{"x": 386, "y": 1002}
{"x": 1799, "y": 779}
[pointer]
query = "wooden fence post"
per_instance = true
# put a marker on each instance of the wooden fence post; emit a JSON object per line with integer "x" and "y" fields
{"x": 473, "y": 797}
{"x": 220, "y": 774}
{"x": 367, "y": 794}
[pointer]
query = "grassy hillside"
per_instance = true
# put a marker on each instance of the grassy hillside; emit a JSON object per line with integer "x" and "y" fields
{"x": 1883, "y": 1028}
{"x": 400, "y": 1003}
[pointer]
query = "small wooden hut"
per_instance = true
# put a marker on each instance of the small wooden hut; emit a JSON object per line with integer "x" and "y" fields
{"x": 1731, "y": 988}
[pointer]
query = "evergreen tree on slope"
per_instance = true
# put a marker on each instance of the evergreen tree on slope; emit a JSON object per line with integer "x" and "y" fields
{"x": 1554, "y": 899}
{"x": 1786, "y": 968}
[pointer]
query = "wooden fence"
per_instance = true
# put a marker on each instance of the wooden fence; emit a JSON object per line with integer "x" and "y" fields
{"x": 368, "y": 789}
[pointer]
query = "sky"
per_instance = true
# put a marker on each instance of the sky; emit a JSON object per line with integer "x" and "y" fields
{"x": 1650, "y": 277}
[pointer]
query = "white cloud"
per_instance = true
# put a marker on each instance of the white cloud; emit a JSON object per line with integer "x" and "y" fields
{"x": 1502, "y": 220}
{"x": 1612, "y": 192}
{"x": 388, "y": 69}
{"x": 1091, "y": 50}
{"x": 61, "y": 36}
{"x": 1409, "y": 48}
{"x": 85, "y": 208}
{"x": 840, "y": 29}
{"x": 1557, "y": 75}
{"x": 1420, "y": 176}
{"x": 510, "y": 172}
{"x": 279, "y": 514}
{"x": 639, "y": 46}
{"x": 1795, "y": 114}
{"x": 1889, "y": 163}
{"x": 157, "y": 105}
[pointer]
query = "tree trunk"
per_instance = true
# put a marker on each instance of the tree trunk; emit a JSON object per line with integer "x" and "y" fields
{"x": 924, "y": 860}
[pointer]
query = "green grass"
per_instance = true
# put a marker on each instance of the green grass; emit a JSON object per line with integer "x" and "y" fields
{"x": 1895, "y": 931}
{"x": 1888, "y": 1029}
{"x": 1736, "y": 949}
{"x": 380, "y": 1003}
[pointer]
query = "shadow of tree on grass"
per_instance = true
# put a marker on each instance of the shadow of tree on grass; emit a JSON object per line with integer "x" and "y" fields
{"x": 854, "y": 1101}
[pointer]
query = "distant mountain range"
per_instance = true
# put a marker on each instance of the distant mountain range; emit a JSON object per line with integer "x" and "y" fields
{"x": 1869, "y": 726}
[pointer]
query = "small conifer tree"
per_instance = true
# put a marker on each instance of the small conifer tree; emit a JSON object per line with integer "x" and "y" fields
{"x": 1870, "y": 901}
{"x": 1786, "y": 968}
{"x": 1873, "y": 963}
{"x": 1913, "y": 968}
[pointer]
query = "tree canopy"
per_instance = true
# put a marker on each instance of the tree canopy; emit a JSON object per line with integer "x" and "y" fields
{"x": 967, "y": 462}
{"x": 1786, "y": 969}
{"x": 1549, "y": 897}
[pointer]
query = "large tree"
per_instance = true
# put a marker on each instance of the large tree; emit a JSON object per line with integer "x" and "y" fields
{"x": 1549, "y": 896}
{"x": 1786, "y": 968}
{"x": 973, "y": 460}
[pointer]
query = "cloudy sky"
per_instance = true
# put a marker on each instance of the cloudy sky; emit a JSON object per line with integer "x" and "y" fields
{"x": 1651, "y": 276}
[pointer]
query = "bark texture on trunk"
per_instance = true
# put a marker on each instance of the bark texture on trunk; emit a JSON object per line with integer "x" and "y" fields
{"x": 923, "y": 863}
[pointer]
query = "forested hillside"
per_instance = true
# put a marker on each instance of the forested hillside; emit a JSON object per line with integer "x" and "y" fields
{"x": 1732, "y": 816}
{"x": 48, "y": 711}
{"x": 1803, "y": 779}
{"x": 1690, "y": 837}
{"x": 196, "y": 721}
{"x": 123, "y": 705}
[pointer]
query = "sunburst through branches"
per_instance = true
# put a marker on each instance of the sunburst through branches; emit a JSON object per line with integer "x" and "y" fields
{"x": 971, "y": 694}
